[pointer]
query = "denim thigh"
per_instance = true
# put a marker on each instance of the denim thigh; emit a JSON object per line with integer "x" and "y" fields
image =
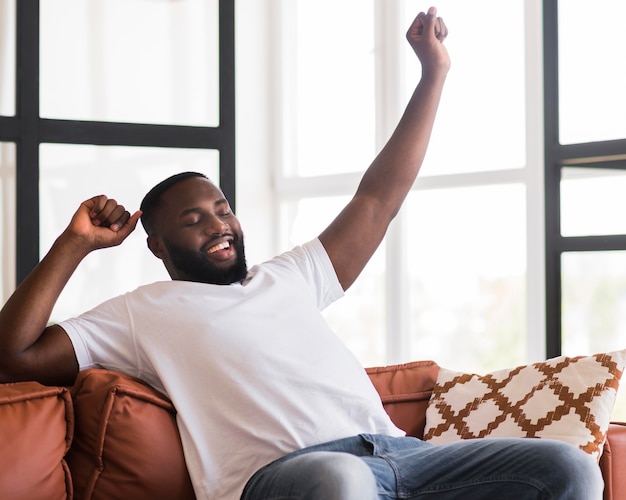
{"x": 409, "y": 468}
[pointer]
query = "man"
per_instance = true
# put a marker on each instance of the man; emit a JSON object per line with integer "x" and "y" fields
{"x": 270, "y": 403}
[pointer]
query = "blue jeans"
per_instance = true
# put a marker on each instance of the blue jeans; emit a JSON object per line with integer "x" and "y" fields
{"x": 369, "y": 467}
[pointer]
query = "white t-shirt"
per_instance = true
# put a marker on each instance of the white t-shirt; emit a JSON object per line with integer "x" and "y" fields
{"x": 253, "y": 369}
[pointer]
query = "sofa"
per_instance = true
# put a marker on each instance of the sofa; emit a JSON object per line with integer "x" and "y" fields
{"x": 110, "y": 436}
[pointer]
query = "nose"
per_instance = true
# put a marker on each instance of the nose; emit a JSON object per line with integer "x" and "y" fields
{"x": 215, "y": 225}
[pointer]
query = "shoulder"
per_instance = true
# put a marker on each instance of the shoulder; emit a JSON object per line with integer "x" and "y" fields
{"x": 313, "y": 266}
{"x": 307, "y": 258}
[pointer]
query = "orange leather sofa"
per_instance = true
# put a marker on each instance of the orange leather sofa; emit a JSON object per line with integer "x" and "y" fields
{"x": 112, "y": 437}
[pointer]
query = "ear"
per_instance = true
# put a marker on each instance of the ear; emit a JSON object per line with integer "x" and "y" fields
{"x": 155, "y": 246}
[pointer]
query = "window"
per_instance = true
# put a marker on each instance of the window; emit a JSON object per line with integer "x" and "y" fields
{"x": 511, "y": 244}
{"x": 7, "y": 219}
{"x": 69, "y": 174}
{"x": 466, "y": 253}
{"x": 585, "y": 161}
{"x": 130, "y": 61}
{"x": 111, "y": 97}
{"x": 490, "y": 250}
{"x": 493, "y": 253}
{"x": 7, "y": 58}
{"x": 7, "y": 149}
{"x": 592, "y": 79}
{"x": 481, "y": 123}
{"x": 454, "y": 269}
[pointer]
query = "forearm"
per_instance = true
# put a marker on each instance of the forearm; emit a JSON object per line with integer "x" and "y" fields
{"x": 394, "y": 170}
{"x": 27, "y": 312}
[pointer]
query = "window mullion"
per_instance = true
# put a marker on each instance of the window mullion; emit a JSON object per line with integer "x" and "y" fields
{"x": 389, "y": 78}
{"x": 535, "y": 207}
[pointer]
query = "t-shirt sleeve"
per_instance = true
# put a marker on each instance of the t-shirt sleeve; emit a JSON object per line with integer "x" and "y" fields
{"x": 317, "y": 269}
{"x": 102, "y": 337}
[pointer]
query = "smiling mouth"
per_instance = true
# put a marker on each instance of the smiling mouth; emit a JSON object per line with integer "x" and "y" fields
{"x": 220, "y": 246}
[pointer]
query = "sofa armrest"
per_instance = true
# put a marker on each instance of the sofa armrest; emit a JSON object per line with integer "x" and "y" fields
{"x": 36, "y": 428}
{"x": 613, "y": 461}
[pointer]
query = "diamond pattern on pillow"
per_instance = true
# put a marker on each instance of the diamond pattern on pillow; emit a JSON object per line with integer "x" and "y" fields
{"x": 565, "y": 398}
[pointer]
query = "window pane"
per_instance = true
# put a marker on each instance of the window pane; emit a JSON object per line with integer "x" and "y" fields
{"x": 594, "y": 306}
{"x": 592, "y": 201}
{"x": 592, "y": 102}
{"x": 130, "y": 61}
{"x": 7, "y": 57}
{"x": 481, "y": 123}
{"x": 7, "y": 220}
{"x": 72, "y": 174}
{"x": 594, "y": 301}
{"x": 333, "y": 80}
{"x": 468, "y": 276}
{"x": 359, "y": 317}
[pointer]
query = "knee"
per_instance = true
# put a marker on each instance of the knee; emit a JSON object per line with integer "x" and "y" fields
{"x": 576, "y": 474}
{"x": 335, "y": 476}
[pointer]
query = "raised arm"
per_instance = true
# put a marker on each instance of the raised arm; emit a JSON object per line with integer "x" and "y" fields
{"x": 30, "y": 350}
{"x": 354, "y": 235}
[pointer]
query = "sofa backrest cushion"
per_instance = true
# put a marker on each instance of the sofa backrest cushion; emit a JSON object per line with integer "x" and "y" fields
{"x": 36, "y": 427}
{"x": 405, "y": 390}
{"x": 127, "y": 443}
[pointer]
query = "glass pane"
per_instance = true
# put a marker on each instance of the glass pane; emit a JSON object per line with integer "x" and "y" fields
{"x": 7, "y": 220}
{"x": 333, "y": 76}
{"x": 592, "y": 201}
{"x": 71, "y": 174}
{"x": 594, "y": 307}
{"x": 130, "y": 61}
{"x": 592, "y": 102}
{"x": 7, "y": 57}
{"x": 594, "y": 301}
{"x": 358, "y": 318}
{"x": 467, "y": 269}
{"x": 481, "y": 122}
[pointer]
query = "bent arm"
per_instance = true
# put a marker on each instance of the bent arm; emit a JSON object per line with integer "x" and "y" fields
{"x": 354, "y": 235}
{"x": 30, "y": 350}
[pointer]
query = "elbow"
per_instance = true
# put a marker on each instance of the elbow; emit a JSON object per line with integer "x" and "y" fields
{"x": 15, "y": 368}
{"x": 5, "y": 370}
{"x": 20, "y": 370}
{"x": 7, "y": 377}
{"x": 10, "y": 371}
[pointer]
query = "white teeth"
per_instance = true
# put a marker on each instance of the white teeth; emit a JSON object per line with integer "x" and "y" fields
{"x": 220, "y": 246}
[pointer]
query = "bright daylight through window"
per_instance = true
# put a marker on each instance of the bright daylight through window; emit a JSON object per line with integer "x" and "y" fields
{"x": 453, "y": 269}
{"x": 460, "y": 277}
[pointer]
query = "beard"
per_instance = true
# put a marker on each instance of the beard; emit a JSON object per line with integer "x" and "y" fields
{"x": 198, "y": 267}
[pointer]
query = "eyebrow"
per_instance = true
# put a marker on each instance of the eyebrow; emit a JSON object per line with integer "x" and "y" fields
{"x": 187, "y": 211}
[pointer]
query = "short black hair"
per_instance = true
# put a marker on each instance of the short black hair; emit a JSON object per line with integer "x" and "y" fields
{"x": 152, "y": 199}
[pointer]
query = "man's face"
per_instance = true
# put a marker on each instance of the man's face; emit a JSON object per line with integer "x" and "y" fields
{"x": 197, "y": 266}
{"x": 197, "y": 236}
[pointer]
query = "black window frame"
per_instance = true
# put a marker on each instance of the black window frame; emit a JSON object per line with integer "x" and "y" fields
{"x": 28, "y": 130}
{"x": 601, "y": 155}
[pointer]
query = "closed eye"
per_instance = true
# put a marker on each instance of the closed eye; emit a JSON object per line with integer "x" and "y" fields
{"x": 191, "y": 222}
{"x": 222, "y": 208}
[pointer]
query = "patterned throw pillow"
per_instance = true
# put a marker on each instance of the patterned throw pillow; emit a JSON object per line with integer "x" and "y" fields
{"x": 563, "y": 398}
